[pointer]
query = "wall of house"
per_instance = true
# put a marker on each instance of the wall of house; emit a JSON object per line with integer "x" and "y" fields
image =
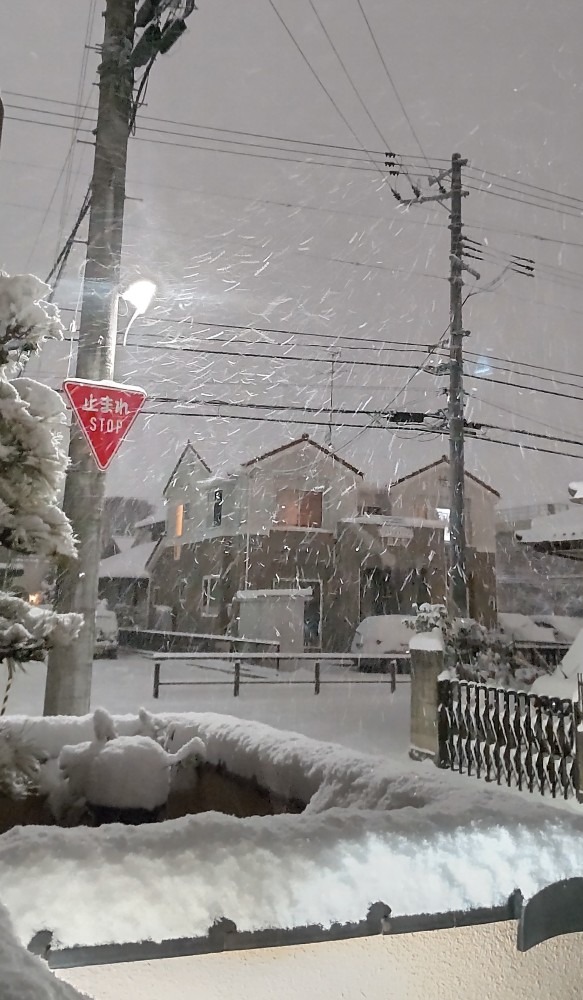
{"x": 423, "y": 493}
{"x": 302, "y": 468}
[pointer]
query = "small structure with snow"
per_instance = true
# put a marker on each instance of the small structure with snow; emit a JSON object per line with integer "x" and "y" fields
{"x": 274, "y": 616}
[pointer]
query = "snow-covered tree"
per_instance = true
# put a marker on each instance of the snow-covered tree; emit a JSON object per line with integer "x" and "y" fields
{"x": 32, "y": 466}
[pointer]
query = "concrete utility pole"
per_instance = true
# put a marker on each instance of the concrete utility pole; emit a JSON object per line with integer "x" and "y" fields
{"x": 68, "y": 687}
{"x": 458, "y": 587}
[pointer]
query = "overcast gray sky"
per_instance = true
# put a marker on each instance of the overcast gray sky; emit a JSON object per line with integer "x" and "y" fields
{"x": 244, "y": 239}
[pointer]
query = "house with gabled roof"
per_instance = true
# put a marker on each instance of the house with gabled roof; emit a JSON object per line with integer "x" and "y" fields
{"x": 295, "y": 516}
{"x": 425, "y": 493}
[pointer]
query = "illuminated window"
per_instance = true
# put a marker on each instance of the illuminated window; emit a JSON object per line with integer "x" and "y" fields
{"x": 179, "y": 521}
{"x": 210, "y": 595}
{"x": 299, "y": 508}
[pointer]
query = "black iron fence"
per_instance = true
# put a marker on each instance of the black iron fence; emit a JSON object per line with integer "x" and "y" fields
{"x": 511, "y": 737}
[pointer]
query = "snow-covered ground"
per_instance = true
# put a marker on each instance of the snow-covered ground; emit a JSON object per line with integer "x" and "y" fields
{"x": 362, "y": 716}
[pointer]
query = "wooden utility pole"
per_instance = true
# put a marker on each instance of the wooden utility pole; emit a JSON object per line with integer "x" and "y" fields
{"x": 68, "y": 687}
{"x": 458, "y": 587}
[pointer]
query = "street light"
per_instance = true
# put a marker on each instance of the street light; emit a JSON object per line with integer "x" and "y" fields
{"x": 139, "y": 295}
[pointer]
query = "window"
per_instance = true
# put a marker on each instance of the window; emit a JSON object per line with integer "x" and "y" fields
{"x": 443, "y": 515}
{"x": 210, "y": 595}
{"x": 179, "y": 520}
{"x": 299, "y": 508}
{"x": 217, "y": 508}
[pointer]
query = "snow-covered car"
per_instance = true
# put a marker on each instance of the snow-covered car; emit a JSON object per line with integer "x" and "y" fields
{"x": 380, "y": 639}
{"x": 106, "y": 632}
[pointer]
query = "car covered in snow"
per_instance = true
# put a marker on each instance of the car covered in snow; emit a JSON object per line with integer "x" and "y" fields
{"x": 106, "y": 632}
{"x": 380, "y": 639}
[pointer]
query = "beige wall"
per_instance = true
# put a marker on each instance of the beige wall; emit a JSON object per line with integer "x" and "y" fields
{"x": 430, "y": 489}
{"x": 480, "y": 963}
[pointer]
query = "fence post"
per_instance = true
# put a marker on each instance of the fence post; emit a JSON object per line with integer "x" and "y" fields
{"x": 393, "y": 676}
{"x": 317, "y": 677}
{"x": 156, "y": 691}
{"x": 427, "y": 662}
{"x": 237, "y": 683}
{"x": 577, "y": 720}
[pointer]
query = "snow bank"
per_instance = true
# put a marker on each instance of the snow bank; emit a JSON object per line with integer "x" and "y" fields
{"x": 422, "y": 842}
{"x": 24, "y": 976}
{"x": 563, "y": 681}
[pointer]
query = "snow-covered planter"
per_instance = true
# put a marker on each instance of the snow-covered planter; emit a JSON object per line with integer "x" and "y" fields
{"x": 368, "y": 833}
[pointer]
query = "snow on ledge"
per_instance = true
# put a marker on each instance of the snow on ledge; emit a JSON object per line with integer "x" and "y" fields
{"x": 251, "y": 595}
{"x": 369, "y": 832}
{"x": 430, "y": 642}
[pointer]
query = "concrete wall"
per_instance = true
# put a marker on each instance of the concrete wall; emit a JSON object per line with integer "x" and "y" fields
{"x": 480, "y": 963}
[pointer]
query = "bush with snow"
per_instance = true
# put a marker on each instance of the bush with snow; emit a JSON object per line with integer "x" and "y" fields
{"x": 475, "y": 653}
{"x": 32, "y": 466}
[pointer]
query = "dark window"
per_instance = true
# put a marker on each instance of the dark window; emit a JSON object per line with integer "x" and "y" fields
{"x": 218, "y": 508}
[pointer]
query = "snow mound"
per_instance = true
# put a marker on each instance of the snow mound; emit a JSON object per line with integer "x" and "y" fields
{"x": 24, "y": 976}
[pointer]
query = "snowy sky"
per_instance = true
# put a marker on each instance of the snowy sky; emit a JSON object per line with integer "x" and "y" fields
{"x": 242, "y": 239}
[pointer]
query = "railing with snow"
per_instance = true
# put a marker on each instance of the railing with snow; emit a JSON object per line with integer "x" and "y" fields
{"x": 511, "y": 737}
{"x": 242, "y": 668}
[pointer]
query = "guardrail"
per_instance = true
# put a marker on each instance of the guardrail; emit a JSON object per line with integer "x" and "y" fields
{"x": 388, "y": 676}
{"x": 158, "y": 640}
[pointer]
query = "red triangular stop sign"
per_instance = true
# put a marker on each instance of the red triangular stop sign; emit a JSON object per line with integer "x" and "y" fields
{"x": 105, "y": 412}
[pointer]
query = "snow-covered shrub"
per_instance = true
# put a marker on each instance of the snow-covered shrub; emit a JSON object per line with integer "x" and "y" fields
{"x": 32, "y": 466}
{"x": 20, "y": 764}
{"x": 473, "y": 652}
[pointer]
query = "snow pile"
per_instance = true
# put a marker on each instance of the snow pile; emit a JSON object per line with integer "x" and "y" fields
{"x": 24, "y": 976}
{"x": 562, "y": 683}
{"x": 422, "y": 842}
{"x": 122, "y": 772}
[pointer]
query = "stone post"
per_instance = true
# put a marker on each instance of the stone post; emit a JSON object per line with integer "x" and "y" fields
{"x": 427, "y": 663}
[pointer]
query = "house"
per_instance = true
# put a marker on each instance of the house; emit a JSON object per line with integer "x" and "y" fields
{"x": 425, "y": 494}
{"x": 534, "y": 578}
{"x": 557, "y": 538}
{"x": 296, "y": 516}
{"x": 124, "y": 581}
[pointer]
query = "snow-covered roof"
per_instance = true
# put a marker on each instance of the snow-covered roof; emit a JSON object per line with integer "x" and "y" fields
{"x": 155, "y": 518}
{"x": 130, "y": 565}
{"x": 123, "y": 542}
{"x": 563, "y": 527}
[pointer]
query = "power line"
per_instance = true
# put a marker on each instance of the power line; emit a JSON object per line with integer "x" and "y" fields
{"x": 230, "y": 131}
{"x": 392, "y": 83}
{"x": 308, "y": 142}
